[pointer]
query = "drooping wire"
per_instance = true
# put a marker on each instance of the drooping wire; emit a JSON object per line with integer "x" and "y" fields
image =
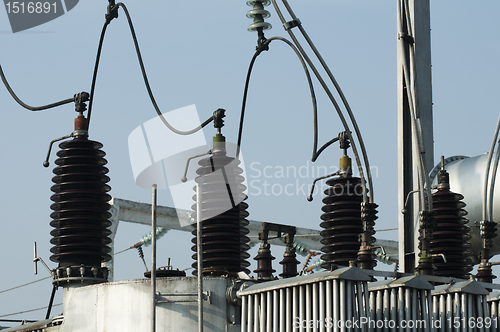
{"x": 32, "y": 108}
{"x": 146, "y": 81}
{"x": 316, "y": 152}
{"x": 31, "y": 310}
{"x": 339, "y": 112}
{"x": 29, "y": 283}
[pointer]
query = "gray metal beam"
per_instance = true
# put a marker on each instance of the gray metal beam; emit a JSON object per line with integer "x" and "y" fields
{"x": 415, "y": 18}
{"x": 167, "y": 217}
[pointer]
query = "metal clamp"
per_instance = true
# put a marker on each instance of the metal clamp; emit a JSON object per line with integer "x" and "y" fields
{"x": 292, "y": 24}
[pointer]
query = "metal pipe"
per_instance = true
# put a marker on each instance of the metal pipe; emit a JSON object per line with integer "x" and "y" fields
{"x": 153, "y": 258}
{"x": 199, "y": 257}
{"x": 322, "y": 305}
{"x": 401, "y": 304}
{"x": 289, "y": 317}
{"x": 463, "y": 313}
{"x": 244, "y": 311}
{"x": 276, "y": 310}
{"x": 407, "y": 306}
{"x": 387, "y": 303}
{"x": 270, "y": 313}
{"x": 250, "y": 313}
{"x": 486, "y": 176}
{"x": 423, "y": 307}
{"x": 302, "y": 313}
{"x": 308, "y": 305}
{"x": 263, "y": 317}
{"x": 394, "y": 308}
{"x": 343, "y": 300}
{"x": 256, "y": 312}
{"x": 331, "y": 298}
{"x": 296, "y": 304}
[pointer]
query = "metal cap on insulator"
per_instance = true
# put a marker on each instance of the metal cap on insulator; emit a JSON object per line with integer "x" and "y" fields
{"x": 81, "y": 126}
{"x": 345, "y": 165}
{"x": 219, "y": 143}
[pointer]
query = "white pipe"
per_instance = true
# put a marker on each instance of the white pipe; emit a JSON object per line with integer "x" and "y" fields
{"x": 199, "y": 251}
{"x": 332, "y": 298}
{"x": 289, "y": 309}
{"x": 276, "y": 312}
{"x": 308, "y": 305}
{"x": 256, "y": 313}
{"x": 322, "y": 305}
{"x": 250, "y": 314}
{"x": 463, "y": 311}
{"x": 244, "y": 311}
{"x": 153, "y": 259}
{"x": 263, "y": 317}
{"x": 270, "y": 314}
{"x": 341, "y": 304}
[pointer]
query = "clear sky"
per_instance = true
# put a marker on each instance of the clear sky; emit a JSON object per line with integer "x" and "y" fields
{"x": 197, "y": 52}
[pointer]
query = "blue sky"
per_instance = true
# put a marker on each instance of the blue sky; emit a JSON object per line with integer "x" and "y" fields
{"x": 197, "y": 52}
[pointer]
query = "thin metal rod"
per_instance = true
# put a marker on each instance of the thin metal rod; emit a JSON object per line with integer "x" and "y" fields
{"x": 153, "y": 259}
{"x": 199, "y": 258}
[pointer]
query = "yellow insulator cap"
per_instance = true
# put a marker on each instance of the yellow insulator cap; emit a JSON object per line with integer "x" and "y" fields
{"x": 345, "y": 163}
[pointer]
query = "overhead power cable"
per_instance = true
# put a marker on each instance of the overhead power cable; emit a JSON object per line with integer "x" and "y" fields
{"x": 29, "y": 283}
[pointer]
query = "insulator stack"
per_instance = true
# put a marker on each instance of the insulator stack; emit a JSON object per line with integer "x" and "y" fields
{"x": 341, "y": 221}
{"x": 80, "y": 216}
{"x": 258, "y": 13}
{"x": 264, "y": 263}
{"x": 451, "y": 235}
{"x": 224, "y": 240}
{"x": 366, "y": 257}
{"x": 289, "y": 263}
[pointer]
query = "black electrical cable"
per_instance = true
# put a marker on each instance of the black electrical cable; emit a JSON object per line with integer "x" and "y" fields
{"x": 96, "y": 66}
{"x": 32, "y": 108}
{"x": 316, "y": 152}
{"x": 153, "y": 101}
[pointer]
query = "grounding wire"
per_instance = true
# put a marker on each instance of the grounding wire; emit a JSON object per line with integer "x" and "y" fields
{"x": 29, "y": 283}
{"x": 335, "y": 104}
{"x": 146, "y": 81}
{"x": 487, "y": 174}
{"x": 341, "y": 94}
{"x": 32, "y": 108}
{"x": 31, "y": 310}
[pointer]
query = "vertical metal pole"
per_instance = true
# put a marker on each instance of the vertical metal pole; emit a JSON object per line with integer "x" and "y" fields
{"x": 199, "y": 251}
{"x": 420, "y": 77}
{"x": 153, "y": 260}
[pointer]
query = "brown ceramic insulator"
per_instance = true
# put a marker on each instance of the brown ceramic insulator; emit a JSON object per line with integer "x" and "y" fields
{"x": 341, "y": 221}
{"x": 451, "y": 236}
{"x": 224, "y": 240}
{"x": 264, "y": 263}
{"x": 80, "y": 216}
{"x": 289, "y": 263}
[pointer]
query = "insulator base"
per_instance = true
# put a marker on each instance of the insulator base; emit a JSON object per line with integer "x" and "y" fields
{"x": 341, "y": 221}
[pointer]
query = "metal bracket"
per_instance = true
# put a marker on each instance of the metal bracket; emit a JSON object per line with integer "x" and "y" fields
{"x": 207, "y": 296}
{"x": 36, "y": 259}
